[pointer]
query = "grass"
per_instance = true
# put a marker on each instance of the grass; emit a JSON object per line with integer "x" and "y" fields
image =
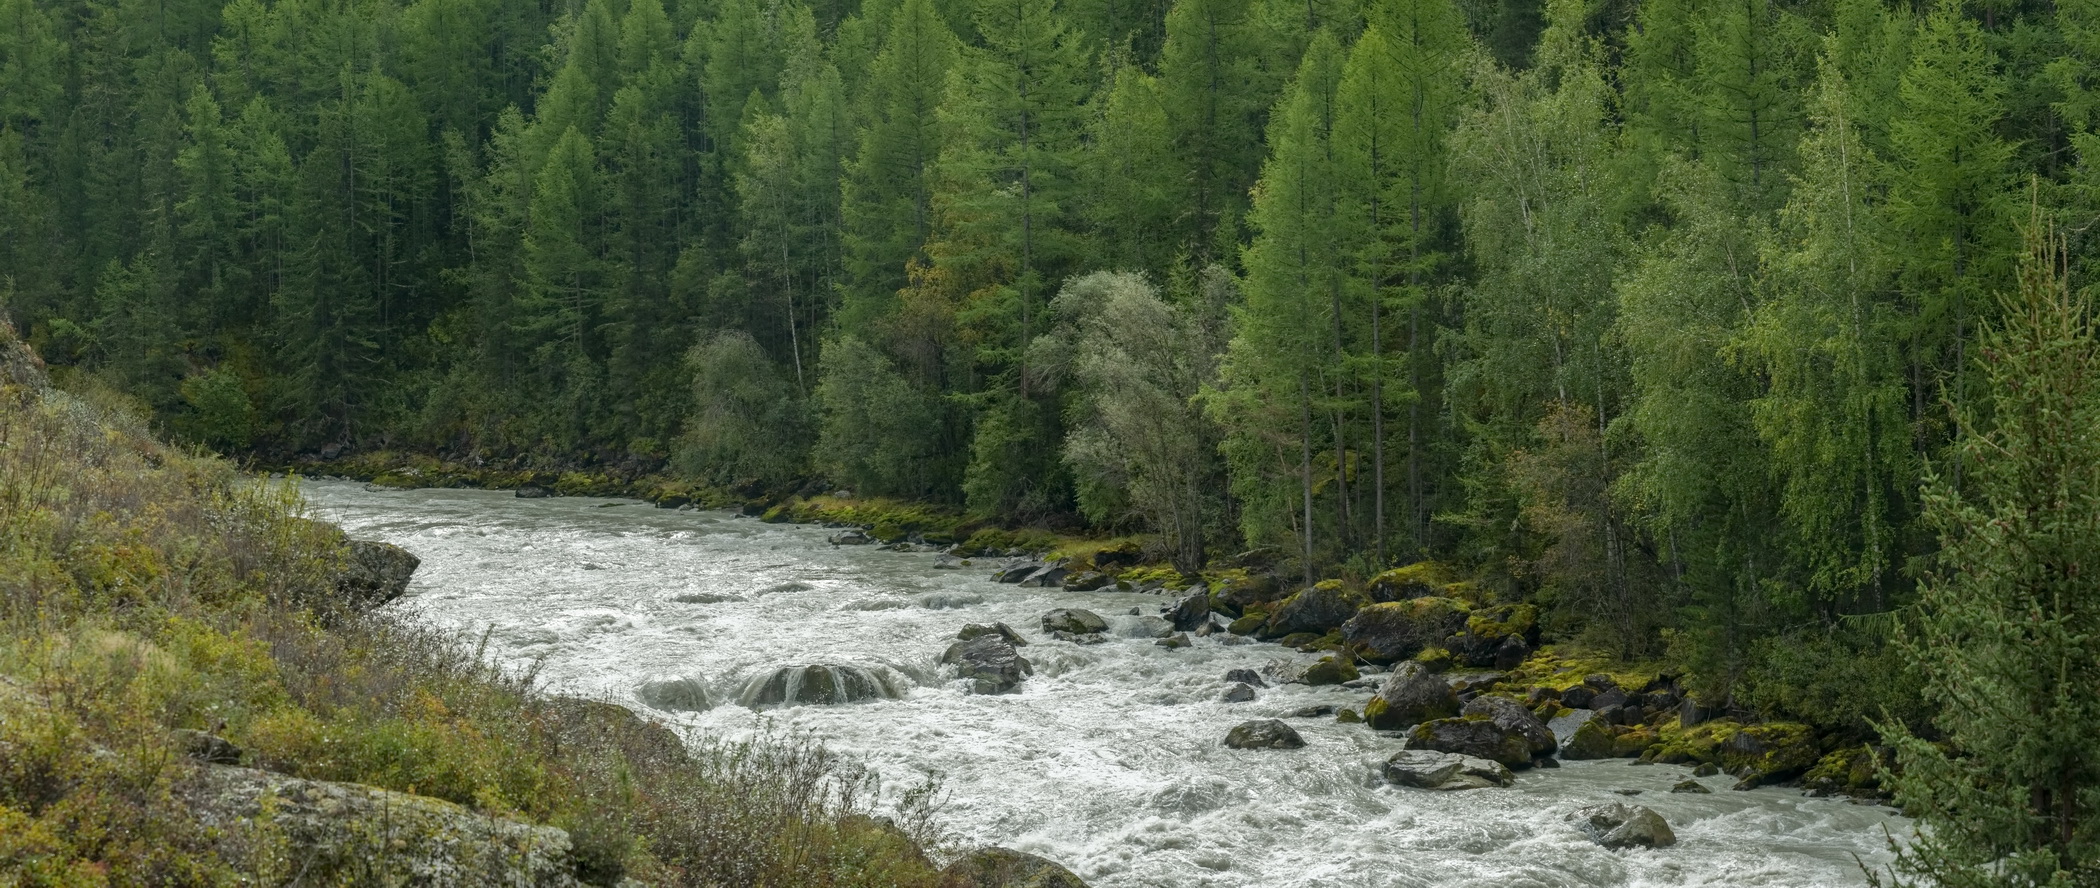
{"x": 145, "y": 589}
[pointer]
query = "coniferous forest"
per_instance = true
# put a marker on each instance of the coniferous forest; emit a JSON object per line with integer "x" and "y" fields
{"x": 1669, "y": 315}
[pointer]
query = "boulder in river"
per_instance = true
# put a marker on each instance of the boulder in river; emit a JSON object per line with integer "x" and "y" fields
{"x": 1266, "y": 733}
{"x": 851, "y": 537}
{"x": 1048, "y": 576}
{"x": 1006, "y": 868}
{"x": 1410, "y": 696}
{"x": 1513, "y": 718}
{"x": 1074, "y": 620}
{"x": 1472, "y": 735}
{"x": 1238, "y": 693}
{"x": 1245, "y": 676}
{"x": 1175, "y": 641}
{"x": 682, "y": 694}
{"x": 1000, "y": 629}
{"x": 1584, "y": 736}
{"x": 533, "y": 491}
{"x": 1692, "y": 786}
{"x": 820, "y": 684}
{"x": 1190, "y": 613}
{"x": 375, "y": 573}
{"x": 1086, "y": 581}
{"x": 1016, "y": 571}
{"x": 989, "y": 662}
{"x": 1429, "y": 769}
{"x": 1395, "y": 631}
{"x": 1620, "y": 825}
{"x": 1318, "y": 609}
{"x": 1330, "y": 671}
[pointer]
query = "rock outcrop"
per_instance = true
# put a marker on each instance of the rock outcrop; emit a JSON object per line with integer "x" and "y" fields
{"x": 1410, "y": 696}
{"x": 374, "y": 573}
{"x": 989, "y": 662}
{"x": 1318, "y": 610}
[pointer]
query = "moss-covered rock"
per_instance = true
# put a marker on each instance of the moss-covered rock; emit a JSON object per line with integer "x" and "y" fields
{"x": 1501, "y": 637}
{"x": 1473, "y": 735}
{"x": 1005, "y": 868}
{"x": 1631, "y": 743}
{"x": 1848, "y": 770}
{"x": 1758, "y": 754}
{"x": 1249, "y": 624}
{"x": 1320, "y": 609}
{"x": 1331, "y": 671}
{"x": 1393, "y": 631}
{"x": 1592, "y": 740}
{"x": 1419, "y": 580}
{"x": 1410, "y": 696}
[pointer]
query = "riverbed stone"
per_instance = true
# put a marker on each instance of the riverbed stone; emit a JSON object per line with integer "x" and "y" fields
{"x": 1175, "y": 641}
{"x": 1512, "y": 718}
{"x": 1016, "y": 571}
{"x": 1002, "y": 630}
{"x": 1006, "y": 868}
{"x": 1330, "y": 671}
{"x": 1394, "y": 631}
{"x": 1591, "y": 738}
{"x": 1267, "y": 733}
{"x": 680, "y": 694}
{"x": 1691, "y": 786}
{"x": 1086, "y": 581}
{"x": 1319, "y": 609}
{"x": 1238, "y": 693}
{"x": 1429, "y": 769}
{"x": 851, "y": 537}
{"x": 1076, "y": 621}
{"x": 989, "y": 663}
{"x": 1619, "y": 825}
{"x": 1410, "y": 696}
{"x": 1245, "y": 676}
{"x": 1472, "y": 735}
{"x": 1190, "y": 613}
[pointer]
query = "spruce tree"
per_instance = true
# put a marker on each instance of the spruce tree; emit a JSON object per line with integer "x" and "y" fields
{"x": 888, "y": 193}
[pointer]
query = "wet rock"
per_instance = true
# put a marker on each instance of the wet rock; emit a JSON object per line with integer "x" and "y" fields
{"x": 1267, "y": 733}
{"x": 1320, "y": 710}
{"x": 1690, "y": 786}
{"x": 1175, "y": 641}
{"x": 1006, "y": 868}
{"x": 1237, "y": 597}
{"x": 1238, "y": 693}
{"x": 1075, "y": 638}
{"x": 1472, "y": 735}
{"x": 375, "y": 573}
{"x": 949, "y": 562}
{"x": 682, "y": 694}
{"x": 208, "y": 748}
{"x": 1852, "y": 771}
{"x": 1513, "y": 718}
{"x": 820, "y": 684}
{"x": 1500, "y": 637}
{"x": 1348, "y": 716}
{"x": 1002, "y": 630}
{"x": 853, "y": 537}
{"x": 1046, "y": 577}
{"x": 1706, "y": 769}
{"x": 1587, "y": 736}
{"x": 1149, "y": 627}
{"x": 1620, "y": 825}
{"x": 1320, "y": 609}
{"x": 1017, "y": 571}
{"x": 1330, "y": 671}
{"x": 1422, "y": 579}
{"x": 1086, "y": 581}
{"x": 1578, "y": 697}
{"x": 346, "y": 833}
{"x": 533, "y": 491}
{"x": 1627, "y": 792}
{"x": 1245, "y": 676}
{"x": 1394, "y": 631}
{"x": 1410, "y": 696}
{"x": 1428, "y": 769}
{"x": 1769, "y": 753}
{"x": 989, "y": 662}
{"x": 1074, "y": 620}
{"x": 1190, "y": 613}
{"x": 1249, "y": 624}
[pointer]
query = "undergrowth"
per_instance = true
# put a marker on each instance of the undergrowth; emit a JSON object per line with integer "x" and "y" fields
{"x": 145, "y": 589}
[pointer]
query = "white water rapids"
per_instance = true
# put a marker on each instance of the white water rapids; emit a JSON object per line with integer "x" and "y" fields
{"x": 1108, "y": 760}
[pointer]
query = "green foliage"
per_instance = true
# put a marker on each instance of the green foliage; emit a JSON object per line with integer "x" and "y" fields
{"x": 876, "y": 431}
{"x": 746, "y": 421}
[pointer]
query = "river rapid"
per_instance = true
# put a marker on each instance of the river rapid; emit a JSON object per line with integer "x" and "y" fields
{"x": 1108, "y": 760}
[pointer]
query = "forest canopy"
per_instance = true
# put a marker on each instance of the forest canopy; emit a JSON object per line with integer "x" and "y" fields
{"x": 1656, "y": 313}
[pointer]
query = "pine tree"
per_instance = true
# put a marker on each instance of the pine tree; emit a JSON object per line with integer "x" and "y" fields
{"x": 1215, "y": 92}
{"x": 1135, "y": 177}
{"x": 888, "y": 195}
{"x": 2007, "y": 630}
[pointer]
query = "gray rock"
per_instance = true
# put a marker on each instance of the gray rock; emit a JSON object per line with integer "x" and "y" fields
{"x": 1620, "y": 825}
{"x": 1692, "y": 786}
{"x": 1246, "y": 676}
{"x": 1238, "y": 693}
{"x": 1474, "y": 736}
{"x": 1394, "y": 631}
{"x": 1006, "y": 868}
{"x": 949, "y": 562}
{"x": 1000, "y": 629}
{"x": 817, "y": 684}
{"x": 1428, "y": 769}
{"x": 1075, "y": 638}
{"x": 1589, "y": 736}
{"x": 989, "y": 662}
{"x": 345, "y": 833}
{"x": 853, "y": 537}
{"x": 1410, "y": 696}
{"x": 375, "y": 573}
{"x": 1086, "y": 581}
{"x": 1046, "y": 577}
{"x": 1321, "y": 710}
{"x": 683, "y": 694}
{"x": 1074, "y": 620}
{"x": 1014, "y": 572}
{"x": 533, "y": 491}
{"x": 1175, "y": 641}
{"x": 1513, "y": 718}
{"x": 1319, "y": 609}
{"x": 1578, "y": 697}
{"x": 1190, "y": 613}
{"x": 1267, "y": 733}
{"x": 1149, "y": 627}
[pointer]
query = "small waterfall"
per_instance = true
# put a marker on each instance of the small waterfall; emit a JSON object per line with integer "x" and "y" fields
{"x": 819, "y": 684}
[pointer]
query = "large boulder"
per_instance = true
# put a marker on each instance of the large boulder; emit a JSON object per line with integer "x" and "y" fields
{"x": 1014, "y": 572}
{"x": 1331, "y": 671}
{"x": 375, "y": 573}
{"x": 1620, "y": 825}
{"x": 1513, "y": 718}
{"x": 346, "y": 833}
{"x": 989, "y": 662}
{"x": 1472, "y": 735}
{"x": 1086, "y": 581}
{"x": 1500, "y": 637}
{"x": 1236, "y": 596}
{"x": 1428, "y": 769}
{"x": 1075, "y": 621}
{"x": 1267, "y": 733}
{"x": 1318, "y": 610}
{"x": 1190, "y": 613}
{"x": 1002, "y": 630}
{"x": 1046, "y": 577}
{"x": 1583, "y": 736}
{"x": 1238, "y": 693}
{"x": 819, "y": 684}
{"x": 1394, "y": 631}
{"x": 1759, "y": 755}
{"x": 681, "y": 694}
{"x": 1006, "y": 868}
{"x": 1410, "y": 696}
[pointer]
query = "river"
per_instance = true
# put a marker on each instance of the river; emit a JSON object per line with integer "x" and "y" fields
{"x": 1108, "y": 760}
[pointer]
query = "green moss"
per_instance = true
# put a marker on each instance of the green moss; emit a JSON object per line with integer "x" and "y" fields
{"x": 1249, "y": 624}
{"x": 1374, "y": 711}
{"x": 1298, "y": 639}
{"x": 887, "y": 532}
{"x": 1331, "y": 671}
{"x": 1563, "y": 666}
{"x": 1437, "y": 659}
{"x": 1849, "y": 770}
{"x": 1503, "y": 622}
{"x": 1348, "y": 716}
{"x": 1416, "y": 580}
{"x": 1632, "y": 743}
